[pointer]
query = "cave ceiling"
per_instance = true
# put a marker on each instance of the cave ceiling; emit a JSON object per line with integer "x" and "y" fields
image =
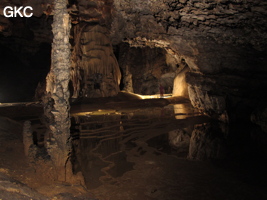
{"x": 191, "y": 28}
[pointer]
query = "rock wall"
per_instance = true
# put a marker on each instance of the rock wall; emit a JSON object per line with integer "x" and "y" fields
{"x": 207, "y": 142}
{"x": 91, "y": 22}
{"x": 95, "y": 70}
{"x": 25, "y": 50}
{"x": 145, "y": 69}
{"x": 226, "y": 21}
{"x": 222, "y": 42}
{"x": 259, "y": 116}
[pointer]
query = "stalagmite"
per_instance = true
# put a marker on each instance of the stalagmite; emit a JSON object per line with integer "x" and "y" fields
{"x": 27, "y": 137}
{"x": 58, "y": 143}
{"x": 180, "y": 85}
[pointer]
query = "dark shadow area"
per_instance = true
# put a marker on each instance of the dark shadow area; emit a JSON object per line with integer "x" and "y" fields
{"x": 19, "y": 79}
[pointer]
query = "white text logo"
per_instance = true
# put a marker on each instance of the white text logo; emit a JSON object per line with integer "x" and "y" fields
{"x": 20, "y": 11}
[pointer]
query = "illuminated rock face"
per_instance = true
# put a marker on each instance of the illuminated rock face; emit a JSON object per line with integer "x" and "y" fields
{"x": 222, "y": 42}
{"x": 145, "y": 69}
{"x": 180, "y": 87}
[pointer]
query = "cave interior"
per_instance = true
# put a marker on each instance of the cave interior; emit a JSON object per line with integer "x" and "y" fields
{"x": 167, "y": 100}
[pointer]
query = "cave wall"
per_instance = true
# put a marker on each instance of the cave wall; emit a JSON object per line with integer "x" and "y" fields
{"x": 95, "y": 70}
{"x": 145, "y": 69}
{"x": 222, "y": 42}
{"x": 25, "y": 47}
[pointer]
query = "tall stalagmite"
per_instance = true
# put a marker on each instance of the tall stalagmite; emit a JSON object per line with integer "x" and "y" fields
{"x": 57, "y": 108}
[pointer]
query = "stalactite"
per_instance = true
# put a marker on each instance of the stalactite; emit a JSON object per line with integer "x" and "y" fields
{"x": 92, "y": 55}
{"x": 75, "y": 64}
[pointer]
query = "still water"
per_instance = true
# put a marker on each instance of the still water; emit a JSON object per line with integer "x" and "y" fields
{"x": 166, "y": 153}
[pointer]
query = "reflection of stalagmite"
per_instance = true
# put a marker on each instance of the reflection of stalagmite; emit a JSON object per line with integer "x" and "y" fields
{"x": 99, "y": 143}
{"x": 95, "y": 70}
{"x": 207, "y": 142}
{"x": 179, "y": 139}
{"x": 127, "y": 81}
{"x": 27, "y": 137}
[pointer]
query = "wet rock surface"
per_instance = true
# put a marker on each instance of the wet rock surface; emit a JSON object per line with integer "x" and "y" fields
{"x": 11, "y": 189}
{"x": 30, "y": 177}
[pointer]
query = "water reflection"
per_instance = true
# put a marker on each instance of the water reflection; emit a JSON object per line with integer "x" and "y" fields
{"x": 179, "y": 139}
{"x": 105, "y": 138}
{"x": 146, "y": 153}
{"x": 183, "y": 110}
{"x": 98, "y": 148}
{"x": 208, "y": 141}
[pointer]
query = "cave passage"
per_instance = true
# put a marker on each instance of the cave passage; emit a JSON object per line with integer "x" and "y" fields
{"x": 163, "y": 99}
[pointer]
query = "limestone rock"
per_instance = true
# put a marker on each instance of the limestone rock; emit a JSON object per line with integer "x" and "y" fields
{"x": 259, "y": 116}
{"x": 9, "y": 129}
{"x": 222, "y": 41}
{"x": 180, "y": 87}
{"x": 207, "y": 142}
{"x": 147, "y": 68}
{"x": 179, "y": 139}
{"x": 206, "y": 102}
{"x": 95, "y": 70}
{"x": 12, "y": 189}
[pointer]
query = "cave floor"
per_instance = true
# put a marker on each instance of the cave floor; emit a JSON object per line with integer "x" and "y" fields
{"x": 136, "y": 150}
